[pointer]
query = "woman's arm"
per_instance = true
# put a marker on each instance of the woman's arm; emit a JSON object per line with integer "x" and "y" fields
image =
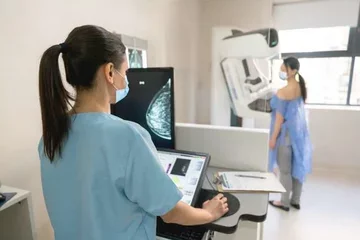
{"x": 279, "y": 119}
{"x": 186, "y": 215}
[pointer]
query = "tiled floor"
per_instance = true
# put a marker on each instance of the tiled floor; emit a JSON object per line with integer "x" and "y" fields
{"x": 330, "y": 210}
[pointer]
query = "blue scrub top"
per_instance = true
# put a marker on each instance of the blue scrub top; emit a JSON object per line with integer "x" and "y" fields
{"x": 295, "y": 125}
{"x": 108, "y": 182}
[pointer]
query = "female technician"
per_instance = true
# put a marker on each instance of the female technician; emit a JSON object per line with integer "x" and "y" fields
{"x": 100, "y": 174}
{"x": 289, "y": 141}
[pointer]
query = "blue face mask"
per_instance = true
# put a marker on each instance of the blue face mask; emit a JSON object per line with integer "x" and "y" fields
{"x": 122, "y": 93}
{"x": 283, "y": 75}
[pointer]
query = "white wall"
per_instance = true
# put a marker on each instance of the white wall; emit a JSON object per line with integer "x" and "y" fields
{"x": 335, "y": 135}
{"x": 181, "y": 45}
{"x": 29, "y": 27}
{"x": 246, "y": 14}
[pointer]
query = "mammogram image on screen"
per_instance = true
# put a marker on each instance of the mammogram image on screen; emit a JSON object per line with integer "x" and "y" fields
{"x": 158, "y": 115}
{"x": 150, "y": 104}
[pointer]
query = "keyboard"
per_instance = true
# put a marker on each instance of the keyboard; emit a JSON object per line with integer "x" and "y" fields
{"x": 177, "y": 232}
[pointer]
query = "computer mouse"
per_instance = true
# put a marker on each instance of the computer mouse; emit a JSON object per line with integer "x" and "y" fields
{"x": 2, "y": 197}
{"x": 233, "y": 202}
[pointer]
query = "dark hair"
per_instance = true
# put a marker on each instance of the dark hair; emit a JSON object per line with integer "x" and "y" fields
{"x": 84, "y": 51}
{"x": 294, "y": 64}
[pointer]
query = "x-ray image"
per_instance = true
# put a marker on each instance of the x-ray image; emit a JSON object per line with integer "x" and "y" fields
{"x": 150, "y": 103}
{"x": 158, "y": 116}
{"x": 135, "y": 58}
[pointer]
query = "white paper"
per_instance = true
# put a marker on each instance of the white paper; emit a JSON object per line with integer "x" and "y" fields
{"x": 250, "y": 181}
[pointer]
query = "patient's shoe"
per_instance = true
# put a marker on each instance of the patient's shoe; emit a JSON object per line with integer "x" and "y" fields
{"x": 274, "y": 204}
{"x": 296, "y": 206}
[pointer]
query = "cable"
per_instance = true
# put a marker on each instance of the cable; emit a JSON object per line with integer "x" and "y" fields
{"x": 211, "y": 184}
{"x": 209, "y": 235}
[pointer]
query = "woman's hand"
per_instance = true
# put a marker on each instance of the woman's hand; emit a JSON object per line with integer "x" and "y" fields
{"x": 272, "y": 143}
{"x": 217, "y": 207}
{"x": 183, "y": 214}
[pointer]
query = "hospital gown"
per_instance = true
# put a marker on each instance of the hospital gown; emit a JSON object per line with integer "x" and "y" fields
{"x": 295, "y": 125}
{"x": 108, "y": 184}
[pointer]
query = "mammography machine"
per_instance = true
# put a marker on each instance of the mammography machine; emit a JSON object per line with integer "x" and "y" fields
{"x": 241, "y": 72}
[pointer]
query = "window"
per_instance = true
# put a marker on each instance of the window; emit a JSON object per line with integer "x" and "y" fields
{"x": 355, "y": 89}
{"x": 314, "y": 39}
{"x": 330, "y": 63}
{"x": 327, "y": 79}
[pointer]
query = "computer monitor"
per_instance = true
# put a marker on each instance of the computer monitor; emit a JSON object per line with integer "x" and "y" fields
{"x": 187, "y": 170}
{"x": 150, "y": 103}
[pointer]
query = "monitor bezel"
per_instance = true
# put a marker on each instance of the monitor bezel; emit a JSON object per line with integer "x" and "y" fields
{"x": 170, "y": 70}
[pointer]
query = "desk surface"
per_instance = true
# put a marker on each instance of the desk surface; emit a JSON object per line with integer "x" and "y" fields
{"x": 253, "y": 206}
{"x": 20, "y": 195}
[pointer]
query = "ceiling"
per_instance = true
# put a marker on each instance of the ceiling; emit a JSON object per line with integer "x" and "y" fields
{"x": 293, "y": 1}
{"x": 288, "y": 1}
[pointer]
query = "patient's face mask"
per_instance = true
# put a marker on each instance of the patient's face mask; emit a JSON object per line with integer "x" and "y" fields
{"x": 283, "y": 75}
{"x": 121, "y": 93}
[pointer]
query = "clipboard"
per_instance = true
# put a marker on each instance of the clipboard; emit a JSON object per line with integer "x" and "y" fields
{"x": 240, "y": 182}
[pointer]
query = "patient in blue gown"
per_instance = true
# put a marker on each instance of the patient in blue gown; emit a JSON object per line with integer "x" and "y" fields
{"x": 290, "y": 146}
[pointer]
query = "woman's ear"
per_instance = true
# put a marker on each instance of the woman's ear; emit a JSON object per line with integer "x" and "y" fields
{"x": 108, "y": 71}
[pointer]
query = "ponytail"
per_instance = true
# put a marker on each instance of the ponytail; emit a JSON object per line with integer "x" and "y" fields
{"x": 54, "y": 101}
{"x": 85, "y": 49}
{"x": 302, "y": 87}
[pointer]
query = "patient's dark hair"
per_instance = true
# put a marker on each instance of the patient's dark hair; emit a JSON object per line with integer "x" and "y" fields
{"x": 294, "y": 64}
{"x": 84, "y": 51}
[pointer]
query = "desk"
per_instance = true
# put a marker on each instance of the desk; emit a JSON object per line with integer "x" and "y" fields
{"x": 244, "y": 224}
{"x": 253, "y": 206}
{"x": 16, "y": 217}
{"x": 247, "y": 223}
